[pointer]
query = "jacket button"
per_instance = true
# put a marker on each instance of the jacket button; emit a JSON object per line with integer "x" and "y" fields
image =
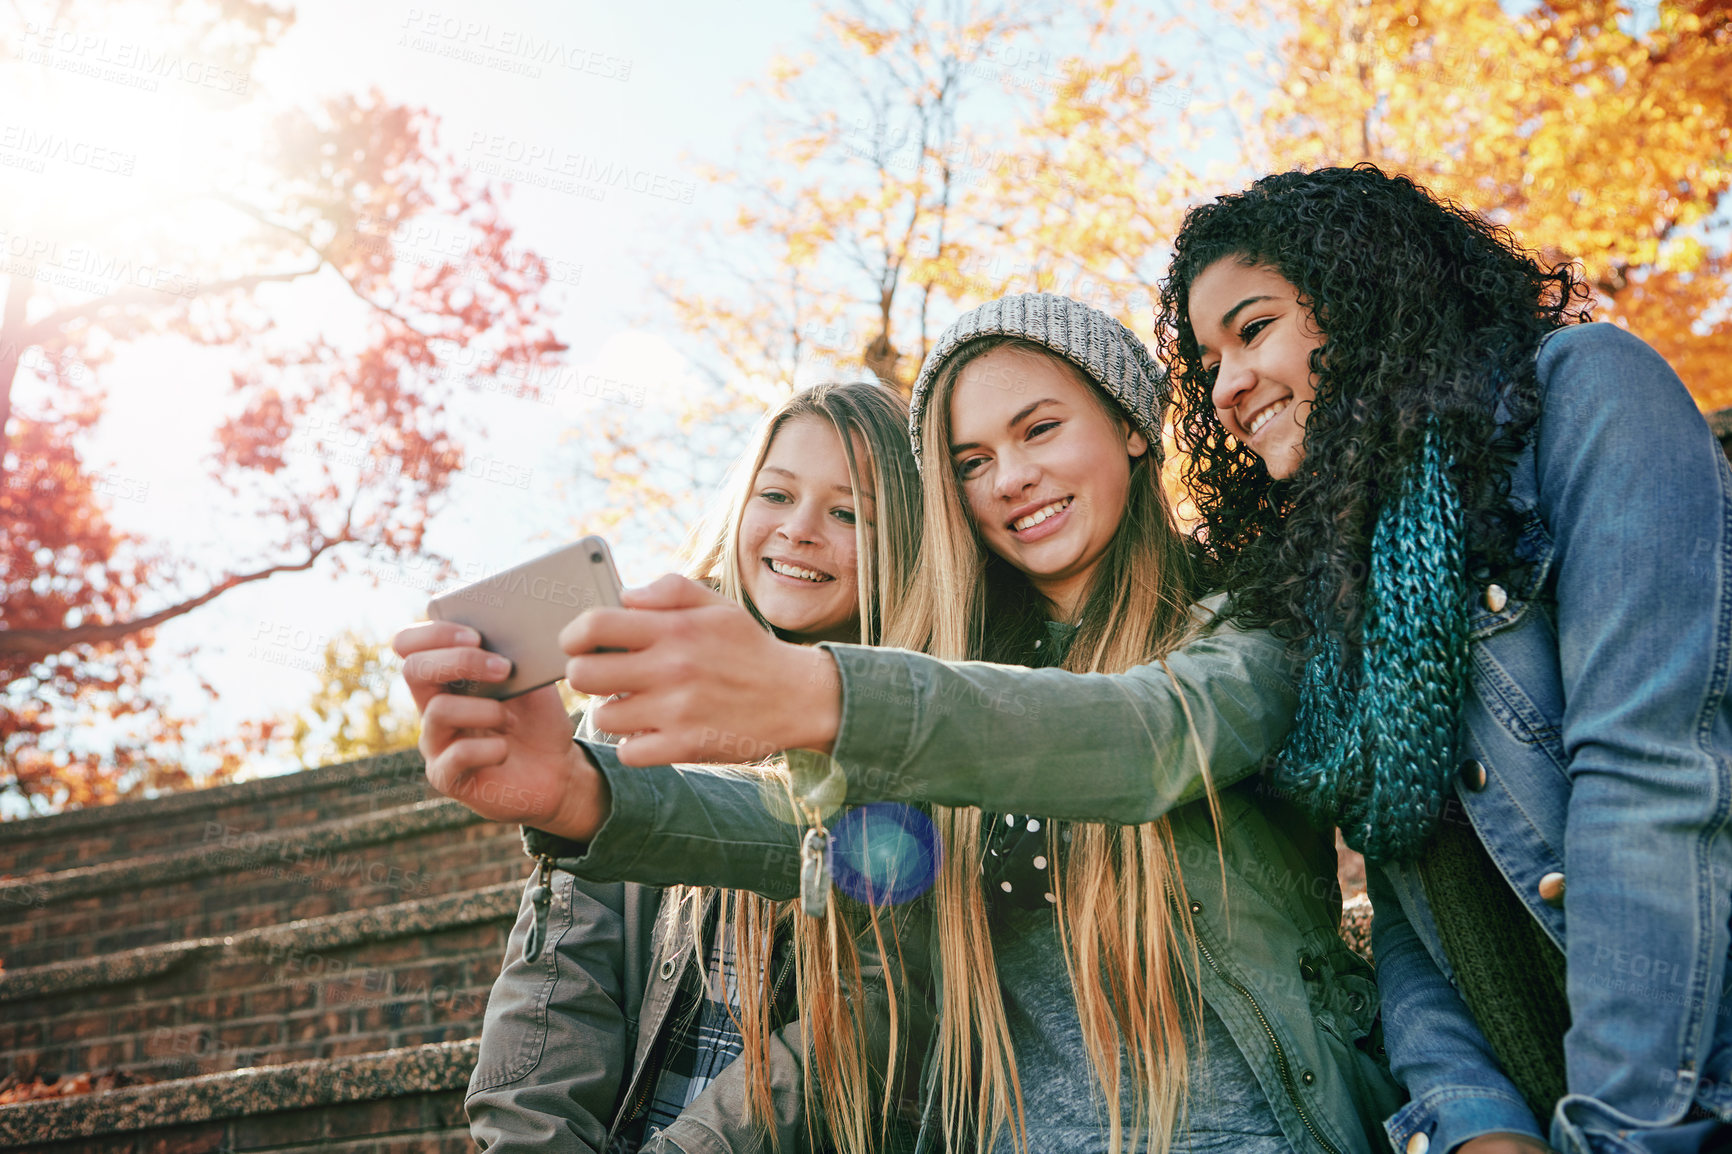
{"x": 1355, "y": 1003}
{"x": 1473, "y": 774}
{"x": 1308, "y": 969}
{"x": 1419, "y": 1143}
{"x": 1308, "y": 1077}
{"x": 1496, "y": 597}
{"x": 1552, "y": 889}
{"x": 667, "y": 970}
{"x": 1196, "y": 907}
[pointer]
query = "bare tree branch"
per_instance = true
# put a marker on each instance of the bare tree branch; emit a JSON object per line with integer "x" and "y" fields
{"x": 254, "y": 214}
{"x": 35, "y": 644}
{"x": 39, "y": 331}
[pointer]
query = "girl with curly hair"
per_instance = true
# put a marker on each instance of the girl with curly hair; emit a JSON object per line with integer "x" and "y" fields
{"x": 1502, "y": 542}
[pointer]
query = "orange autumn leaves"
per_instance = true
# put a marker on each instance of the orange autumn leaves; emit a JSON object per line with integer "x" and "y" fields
{"x": 1598, "y": 135}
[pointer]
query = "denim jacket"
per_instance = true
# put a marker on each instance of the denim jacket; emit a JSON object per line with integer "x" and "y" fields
{"x": 1122, "y": 747}
{"x": 1596, "y": 768}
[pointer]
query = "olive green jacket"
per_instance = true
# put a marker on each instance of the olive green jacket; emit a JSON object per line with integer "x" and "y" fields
{"x": 1124, "y": 748}
{"x": 572, "y": 1044}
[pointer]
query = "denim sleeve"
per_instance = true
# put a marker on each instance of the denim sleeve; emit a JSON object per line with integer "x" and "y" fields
{"x": 1638, "y": 499}
{"x": 1124, "y": 747}
{"x": 1435, "y": 1050}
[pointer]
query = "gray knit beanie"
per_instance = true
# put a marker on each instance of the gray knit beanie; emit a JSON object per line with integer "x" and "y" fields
{"x": 1109, "y": 354}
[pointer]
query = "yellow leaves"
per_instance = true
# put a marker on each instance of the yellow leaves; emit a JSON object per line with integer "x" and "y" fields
{"x": 871, "y": 41}
{"x": 1685, "y": 255}
{"x": 1676, "y": 20}
{"x": 784, "y": 70}
{"x": 350, "y": 715}
{"x": 1596, "y": 145}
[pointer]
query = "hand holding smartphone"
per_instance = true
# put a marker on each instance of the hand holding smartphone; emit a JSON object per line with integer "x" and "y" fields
{"x": 520, "y": 611}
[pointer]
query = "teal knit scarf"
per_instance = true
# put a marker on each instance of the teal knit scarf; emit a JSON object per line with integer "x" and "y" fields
{"x": 1372, "y": 747}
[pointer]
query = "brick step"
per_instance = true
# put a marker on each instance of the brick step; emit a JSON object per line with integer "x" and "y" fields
{"x": 234, "y": 882}
{"x": 92, "y": 927}
{"x": 403, "y": 1101}
{"x": 349, "y": 983}
{"x": 116, "y": 832}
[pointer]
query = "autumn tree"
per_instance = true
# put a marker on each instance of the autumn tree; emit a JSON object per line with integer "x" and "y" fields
{"x": 856, "y": 232}
{"x": 1597, "y": 137}
{"x": 862, "y": 217}
{"x": 159, "y": 195}
{"x": 350, "y": 714}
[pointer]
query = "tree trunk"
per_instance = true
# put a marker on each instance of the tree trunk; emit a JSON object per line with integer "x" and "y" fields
{"x": 11, "y": 349}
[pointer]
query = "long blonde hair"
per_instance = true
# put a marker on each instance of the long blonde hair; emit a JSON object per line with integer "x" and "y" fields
{"x": 840, "y": 1080}
{"x": 1123, "y": 923}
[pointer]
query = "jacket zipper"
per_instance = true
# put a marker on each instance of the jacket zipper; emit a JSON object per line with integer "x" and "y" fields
{"x": 542, "y": 900}
{"x": 782, "y": 978}
{"x": 637, "y": 1104}
{"x": 648, "y": 1073}
{"x": 1280, "y": 1054}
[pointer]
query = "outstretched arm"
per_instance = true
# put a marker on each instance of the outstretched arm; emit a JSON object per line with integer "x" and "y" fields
{"x": 702, "y": 682}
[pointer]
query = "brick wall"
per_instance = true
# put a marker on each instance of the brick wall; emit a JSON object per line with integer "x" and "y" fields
{"x": 295, "y": 963}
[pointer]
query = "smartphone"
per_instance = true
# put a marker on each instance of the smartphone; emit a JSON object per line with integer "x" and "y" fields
{"x": 520, "y": 612}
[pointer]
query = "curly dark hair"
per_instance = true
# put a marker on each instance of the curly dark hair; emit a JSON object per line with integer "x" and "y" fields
{"x": 1428, "y": 311}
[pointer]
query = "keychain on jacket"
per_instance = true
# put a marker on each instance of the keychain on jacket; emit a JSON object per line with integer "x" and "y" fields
{"x": 818, "y": 786}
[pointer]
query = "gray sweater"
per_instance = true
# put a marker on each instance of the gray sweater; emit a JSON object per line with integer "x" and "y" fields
{"x": 1064, "y": 1111}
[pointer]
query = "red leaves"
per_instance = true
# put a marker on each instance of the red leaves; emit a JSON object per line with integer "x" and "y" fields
{"x": 16, "y": 1089}
{"x": 332, "y": 438}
